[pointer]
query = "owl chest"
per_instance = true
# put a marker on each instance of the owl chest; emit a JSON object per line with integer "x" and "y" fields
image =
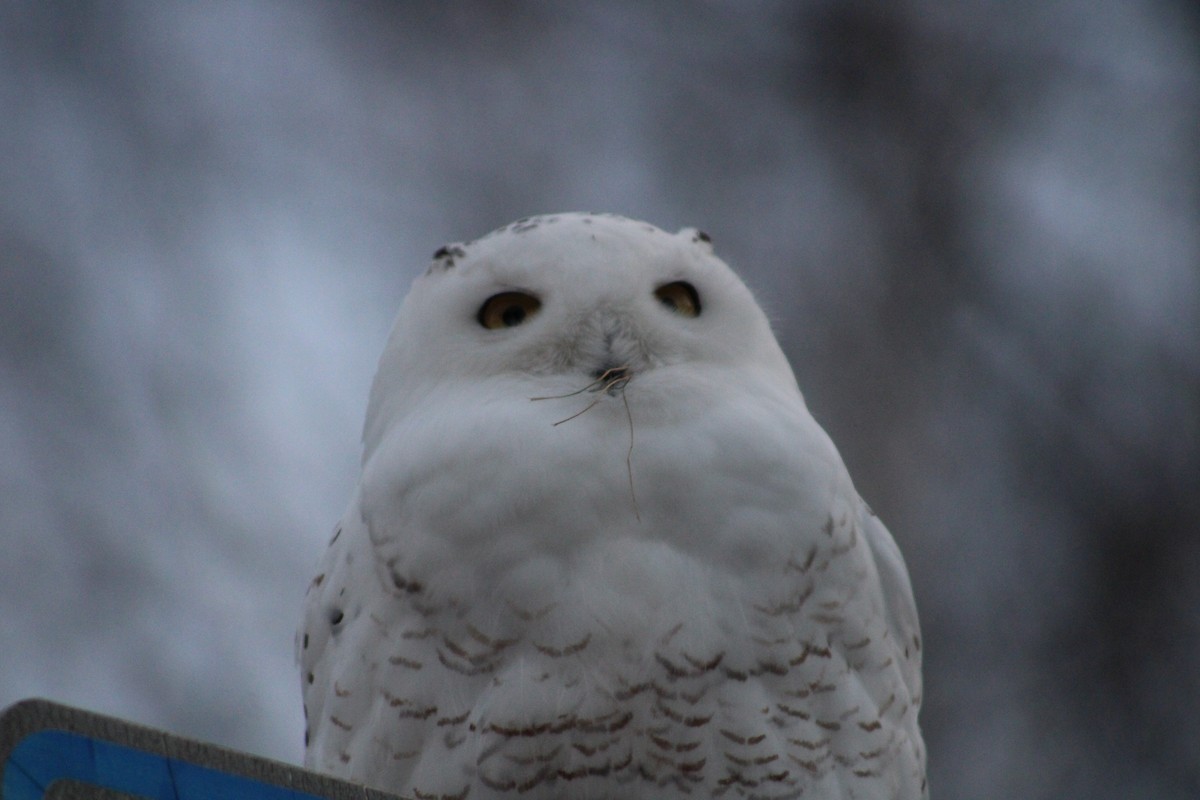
{"x": 635, "y": 661}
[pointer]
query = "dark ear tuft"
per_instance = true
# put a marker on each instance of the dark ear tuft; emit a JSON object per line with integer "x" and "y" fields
{"x": 698, "y": 237}
{"x": 443, "y": 258}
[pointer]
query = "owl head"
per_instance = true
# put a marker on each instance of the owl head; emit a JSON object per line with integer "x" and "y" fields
{"x": 554, "y": 303}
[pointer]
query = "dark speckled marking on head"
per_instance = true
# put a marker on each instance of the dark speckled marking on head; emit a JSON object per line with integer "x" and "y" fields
{"x": 443, "y": 257}
{"x": 448, "y": 251}
{"x": 701, "y": 236}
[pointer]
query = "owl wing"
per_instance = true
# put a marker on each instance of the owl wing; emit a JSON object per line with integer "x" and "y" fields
{"x": 896, "y": 590}
{"x": 343, "y": 647}
{"x": 321, "y": 651}
{"x": 902, "y": 628}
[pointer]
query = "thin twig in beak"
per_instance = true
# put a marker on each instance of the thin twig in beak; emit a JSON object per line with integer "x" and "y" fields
{"x": 614, "y": 379}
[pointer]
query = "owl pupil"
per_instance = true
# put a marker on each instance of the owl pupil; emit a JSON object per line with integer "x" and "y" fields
{"x": 669, "y": 302}
{"x": 512, "y": 316}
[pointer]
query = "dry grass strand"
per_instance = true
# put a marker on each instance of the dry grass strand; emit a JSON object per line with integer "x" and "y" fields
{"x": 611, "y": 380}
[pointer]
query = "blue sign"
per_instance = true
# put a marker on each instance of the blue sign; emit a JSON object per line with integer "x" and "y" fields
{"x": 48, "y": 750}
{"x": 48, "y": 756}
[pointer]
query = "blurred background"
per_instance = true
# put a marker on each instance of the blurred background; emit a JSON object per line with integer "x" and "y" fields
{"x": 975, "y": 225}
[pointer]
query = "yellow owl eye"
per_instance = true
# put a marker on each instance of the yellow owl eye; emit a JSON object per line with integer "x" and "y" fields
{"x": 680, "y": 297}
{"x": 507, "y": 310}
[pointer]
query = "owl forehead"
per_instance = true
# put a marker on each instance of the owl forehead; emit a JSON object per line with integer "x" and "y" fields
{"x": 580, "y": 247}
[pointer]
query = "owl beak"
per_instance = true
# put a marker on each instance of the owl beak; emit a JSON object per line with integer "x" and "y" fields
{"x": 615, "y": 353}
{"x": 612, "y": 378}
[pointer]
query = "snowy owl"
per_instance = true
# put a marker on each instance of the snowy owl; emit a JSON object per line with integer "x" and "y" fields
{"x": 601, "y": 549}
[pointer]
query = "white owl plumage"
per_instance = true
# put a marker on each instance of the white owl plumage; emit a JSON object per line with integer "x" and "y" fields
{"x": 600, "y": 548}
